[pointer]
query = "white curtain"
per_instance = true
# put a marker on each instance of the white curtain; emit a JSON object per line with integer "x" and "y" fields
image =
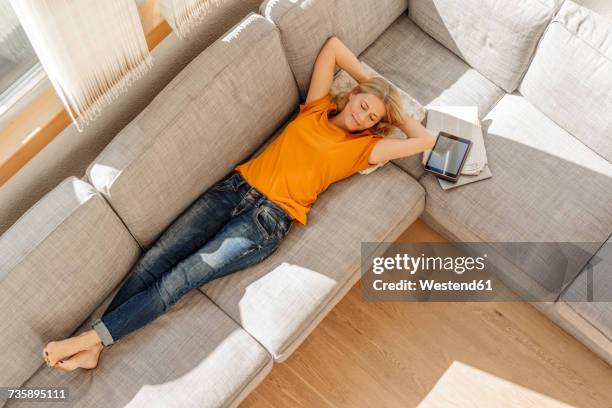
{"x": 91, "y": 50}
{"x": 184, "y": 15}
{"x": 8, "y": 19}
{"x": 13, "y": 41}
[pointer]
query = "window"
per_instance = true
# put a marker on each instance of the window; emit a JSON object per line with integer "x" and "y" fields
{"x": 31, "y": 114}
{"x": 20, "y": 70}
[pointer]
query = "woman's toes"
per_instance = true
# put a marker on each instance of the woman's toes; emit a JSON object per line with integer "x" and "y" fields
{"x": 66, "y": 365}
{"x": 46, "y": 357}
{"x": 49, "y": 357}
{"x": 61, "y": 350}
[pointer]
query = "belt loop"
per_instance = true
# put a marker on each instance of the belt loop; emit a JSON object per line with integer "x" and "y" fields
{"x": 241, "y": 181}
{"x": 259, "y": 198}
{"x": 247, "y": 200}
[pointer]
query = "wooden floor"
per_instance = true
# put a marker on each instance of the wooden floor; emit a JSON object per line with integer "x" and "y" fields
{"x": 391, "y": 354}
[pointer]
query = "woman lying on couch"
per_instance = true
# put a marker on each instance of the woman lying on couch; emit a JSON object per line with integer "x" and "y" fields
{"x": 242, "y": 219}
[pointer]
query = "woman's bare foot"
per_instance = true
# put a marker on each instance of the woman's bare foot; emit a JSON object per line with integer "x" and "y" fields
{"x": 59, "y": 350}
{"x": 87, "y": 359}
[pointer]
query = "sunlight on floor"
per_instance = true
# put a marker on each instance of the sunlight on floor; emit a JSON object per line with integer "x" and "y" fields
{"x": 463, "y": 385}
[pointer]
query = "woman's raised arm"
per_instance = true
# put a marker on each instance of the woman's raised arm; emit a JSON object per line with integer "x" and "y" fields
{"x": 333, "y": 53}
{"x": 419, "y": 140}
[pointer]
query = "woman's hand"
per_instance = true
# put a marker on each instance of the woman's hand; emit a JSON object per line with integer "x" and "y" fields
{"x": 413, "y": 129}
{"x": 419, "y": 140}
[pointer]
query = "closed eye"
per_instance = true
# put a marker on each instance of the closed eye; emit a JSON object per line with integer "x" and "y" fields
{"x": 373, "y": 116}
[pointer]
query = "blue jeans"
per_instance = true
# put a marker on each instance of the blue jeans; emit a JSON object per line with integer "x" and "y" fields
{"x": 228, "y": 228}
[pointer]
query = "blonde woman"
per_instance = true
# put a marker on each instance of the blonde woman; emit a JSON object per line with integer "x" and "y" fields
{"x": 243, "y": 218}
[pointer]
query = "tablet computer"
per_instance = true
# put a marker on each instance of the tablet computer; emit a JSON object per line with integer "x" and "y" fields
{"x": 448, "y": 156}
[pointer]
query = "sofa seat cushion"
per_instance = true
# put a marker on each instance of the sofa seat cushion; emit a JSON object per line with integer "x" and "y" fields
{"x": 192, "y": 356}
{"x": 57, "y": 264}
{"x": 497, "y": 37}
{"x": 429, "y": 72}
{"x": 546, "y": 186}
{"x": 569, "y": 78}
{"x": 590, "y": 295}
{"x": 212, "y": 115}
{"x": 279, "y": 300}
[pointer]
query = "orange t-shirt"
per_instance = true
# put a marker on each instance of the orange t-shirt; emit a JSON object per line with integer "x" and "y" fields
{"x": 310, "y": 154}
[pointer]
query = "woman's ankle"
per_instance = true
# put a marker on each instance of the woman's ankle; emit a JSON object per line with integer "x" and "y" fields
{"x": 91, "y": 338}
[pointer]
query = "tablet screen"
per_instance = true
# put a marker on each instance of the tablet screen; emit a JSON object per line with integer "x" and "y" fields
{"x": 447, "y": 155}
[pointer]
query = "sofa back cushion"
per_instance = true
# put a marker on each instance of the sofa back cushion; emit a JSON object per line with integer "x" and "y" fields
{"x": 496, "y": 37}
{"x": 306, "y": 25}
{"x": 58, "y": 262}
{"x": 209, "y": 118}
{"x": 570, "y": 78}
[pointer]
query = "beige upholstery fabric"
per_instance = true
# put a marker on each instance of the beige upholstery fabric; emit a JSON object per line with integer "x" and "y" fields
{"x": 569, "y": 79}
{"x": 497, "y": 37}
{"x": 57, "y": 263}
{"x": 192, "y": 356}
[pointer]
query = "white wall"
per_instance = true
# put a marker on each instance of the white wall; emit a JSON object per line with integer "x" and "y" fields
{"x": 71, "y": 152}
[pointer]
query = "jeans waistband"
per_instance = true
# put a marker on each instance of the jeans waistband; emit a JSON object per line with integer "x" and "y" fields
{"x": 246, "y": 183}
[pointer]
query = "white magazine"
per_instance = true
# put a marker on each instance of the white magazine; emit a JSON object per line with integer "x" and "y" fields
{"x": 461, "y": 121}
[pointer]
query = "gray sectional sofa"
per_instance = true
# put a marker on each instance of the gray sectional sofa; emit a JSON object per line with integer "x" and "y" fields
{"x": 541, "y": 74}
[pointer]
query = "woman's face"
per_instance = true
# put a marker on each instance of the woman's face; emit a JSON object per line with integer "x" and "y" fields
{"x": 362, "y": 111}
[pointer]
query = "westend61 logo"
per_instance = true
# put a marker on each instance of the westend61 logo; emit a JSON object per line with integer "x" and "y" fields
{"x": 421, "y": 271}
{"x": 412, "y": 264}
{"x": 482, "y": 271}
{"x": 447, "y": 270}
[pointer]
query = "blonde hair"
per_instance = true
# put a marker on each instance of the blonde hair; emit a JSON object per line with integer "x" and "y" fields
{"x": 387, "y": 93}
